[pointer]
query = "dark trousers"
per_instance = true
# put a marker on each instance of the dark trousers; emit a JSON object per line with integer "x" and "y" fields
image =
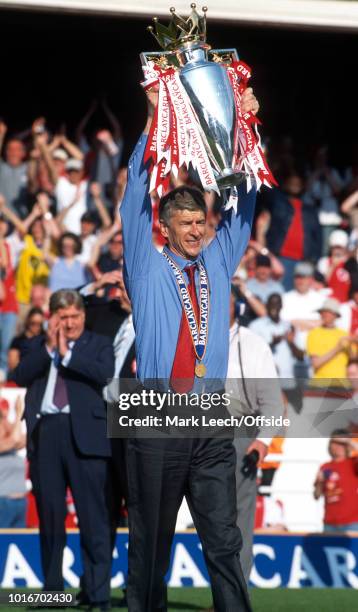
{"x": 57, "y": 464}
{"x": 160, "y": 473}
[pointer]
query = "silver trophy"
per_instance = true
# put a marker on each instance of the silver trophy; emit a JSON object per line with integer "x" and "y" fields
{"x": 204, "y": 77}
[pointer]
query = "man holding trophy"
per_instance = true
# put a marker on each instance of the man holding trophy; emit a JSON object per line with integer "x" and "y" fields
{"x": 180, "y": 300}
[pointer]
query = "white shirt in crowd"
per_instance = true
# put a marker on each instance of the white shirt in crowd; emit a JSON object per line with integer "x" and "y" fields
{"x": 302, "y": 306}
{"x": 66, "y": 193}
{"x": 247, "y": 382}
{"x": 284, "y": 359}
{"x": 87, "y": 248}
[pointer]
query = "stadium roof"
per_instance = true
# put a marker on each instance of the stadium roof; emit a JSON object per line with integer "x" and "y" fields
{"x": 326, "y": 14}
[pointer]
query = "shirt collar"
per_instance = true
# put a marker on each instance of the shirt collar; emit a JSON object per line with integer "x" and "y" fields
{"x": 181, "y": 262}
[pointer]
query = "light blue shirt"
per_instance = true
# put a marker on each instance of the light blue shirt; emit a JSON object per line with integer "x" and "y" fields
{"x": 151, "y": 285}
{"x": 264, "y": 290}
{"x": 47, "y": 405}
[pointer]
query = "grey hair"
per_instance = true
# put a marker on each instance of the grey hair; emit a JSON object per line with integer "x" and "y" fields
{"x": 182, "y": 198}
{"x": 63, "y": 298}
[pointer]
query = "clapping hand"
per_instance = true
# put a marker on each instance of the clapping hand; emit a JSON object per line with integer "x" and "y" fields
{"x": 52, "y": 333}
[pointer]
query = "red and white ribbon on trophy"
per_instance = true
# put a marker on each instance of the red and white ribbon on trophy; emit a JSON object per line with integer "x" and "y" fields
{"x": 176, "y": 138}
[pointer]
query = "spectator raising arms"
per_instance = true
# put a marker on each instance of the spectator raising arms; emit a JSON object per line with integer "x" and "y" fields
{"x": 67, "y": 271}
{"x": 13, "y": 173}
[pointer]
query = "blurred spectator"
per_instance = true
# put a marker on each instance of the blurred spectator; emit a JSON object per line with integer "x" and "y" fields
{"x": 247, "y": 267}
{"x": 47, "y": 159}
{"x": 103, "y": 153}
{"x": 294, "y": 232}
{"x": 67, "y": 271}
{"x": 34, "y": 326}
{"x": 71, "y": 195}
{"x": 12, "y": 466}
{"x": 253, "y": 305}
{"x": 337, "y": 481}
{"x": 327, "y": 346}
{"x": 262, "y": 285}
{"x": 13, "y": 173}
{"x": 349, "y": 310}
{"x": 349, "y": 208}
{"x": 287, "y": 345}
{"x": 112, "y": 259}
{"x": 32, "y": 267}
{"x": 300, "y": 305}
{"x": 8, "y": 301}
{"x": 39, "y": 298}
{"x": 333, "y": 268}
{"x": 324, "y": 186}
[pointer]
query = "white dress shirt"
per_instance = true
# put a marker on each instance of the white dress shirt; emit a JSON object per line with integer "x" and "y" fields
{"x": 47, "y": 405}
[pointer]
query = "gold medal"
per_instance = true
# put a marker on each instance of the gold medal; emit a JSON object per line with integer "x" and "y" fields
{"x": 200, "y": 370}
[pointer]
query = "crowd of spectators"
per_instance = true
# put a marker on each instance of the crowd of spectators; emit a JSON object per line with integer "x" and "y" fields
{"x": 60, "y": 228}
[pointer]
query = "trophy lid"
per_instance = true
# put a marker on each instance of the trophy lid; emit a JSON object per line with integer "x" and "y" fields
{"x": 180, "y": 30}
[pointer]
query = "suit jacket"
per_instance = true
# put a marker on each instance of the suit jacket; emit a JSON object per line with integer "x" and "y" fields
{"x": 91, "y": 364}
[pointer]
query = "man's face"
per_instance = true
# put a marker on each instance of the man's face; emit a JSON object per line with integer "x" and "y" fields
{"x": 75, "y": 176}
{"x": 293, "y": 186}
{"x": 274, "y": 306}
{"x": 116, "y": 247}
{"x": 338, "y": 252}
{"x": 15, "y": 152}
{"x": 37, "y": 230}
{"x": 87, "y": 228}
{"x": 302, "y": 283}
{"x": 263, "y": 273}
{"x": 59, "y": 165}
{"x": 328, "y": 318}
{"x": 72, "y": 322}
{"x": 185, "y": 232}
{"x": 38, "y": 296}
{"x": 337, "y": 450}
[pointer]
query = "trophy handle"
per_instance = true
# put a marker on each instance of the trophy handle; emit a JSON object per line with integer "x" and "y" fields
{"x": 223, "y": 56}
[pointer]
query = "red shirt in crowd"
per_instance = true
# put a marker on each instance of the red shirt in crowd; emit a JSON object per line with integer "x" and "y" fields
{"x": 340, "y": 490}
{"x": 340, "y": 283}
{"x": 293, "y": 243}
{"x": 9, "y": 303}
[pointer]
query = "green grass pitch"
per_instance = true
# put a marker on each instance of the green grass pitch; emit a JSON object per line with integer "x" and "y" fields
{"x": 263, "y": 600}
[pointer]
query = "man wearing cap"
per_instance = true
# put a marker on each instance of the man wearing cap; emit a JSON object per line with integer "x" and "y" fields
{"x": 300, "y": 305}
{"x": 71, "y": 194}
{"x": 328, "y": 346}
{"x": 333, "y": 266}
{"x": 162, "y": 470}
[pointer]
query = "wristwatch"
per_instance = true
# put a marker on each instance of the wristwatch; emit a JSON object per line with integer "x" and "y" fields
{"x": 264, "y": 251}
{"x": 48, "y": 216}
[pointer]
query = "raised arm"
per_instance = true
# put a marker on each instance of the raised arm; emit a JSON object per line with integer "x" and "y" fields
{"x": 136, "y": 209}
{"x": 234, "y": 230}
{"x": 115, "y": 125}
{"x": 3, "y": 130}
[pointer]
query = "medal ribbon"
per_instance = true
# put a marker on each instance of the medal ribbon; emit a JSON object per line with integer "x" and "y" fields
{"x": 199, "y": 333}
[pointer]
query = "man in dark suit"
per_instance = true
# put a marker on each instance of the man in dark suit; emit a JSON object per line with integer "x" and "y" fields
{"x": 67, "y": 444}
{"x": 113, "y": 318}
